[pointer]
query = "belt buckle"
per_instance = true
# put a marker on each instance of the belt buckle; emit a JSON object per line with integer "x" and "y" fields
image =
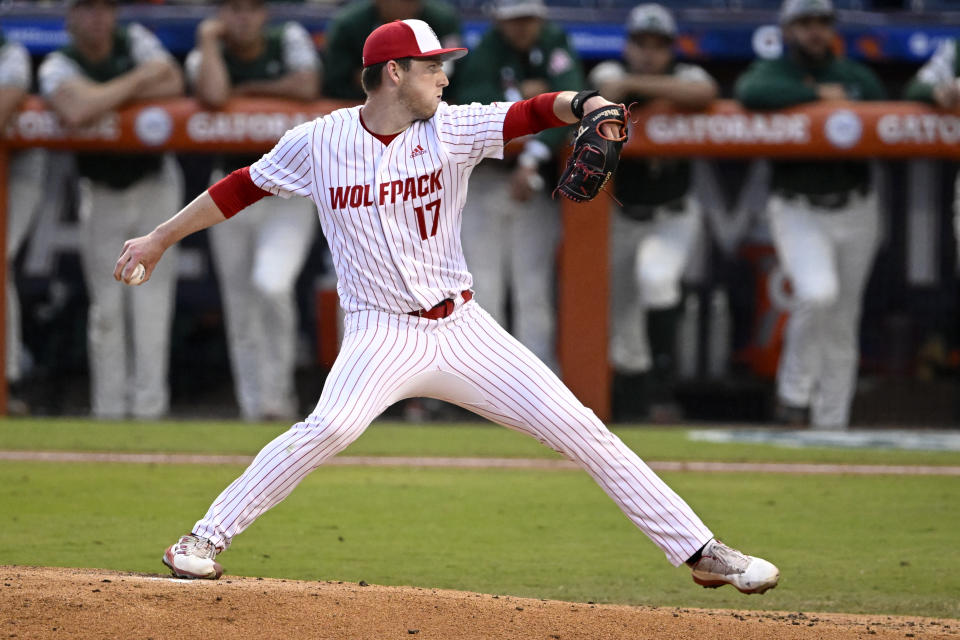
{"x": 830, "y": 200}
{"x": 676, "y": 206}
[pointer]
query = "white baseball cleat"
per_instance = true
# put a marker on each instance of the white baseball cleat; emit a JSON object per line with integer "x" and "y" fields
{"x": 193, "y": 557}
{"x": 719, "y": 565}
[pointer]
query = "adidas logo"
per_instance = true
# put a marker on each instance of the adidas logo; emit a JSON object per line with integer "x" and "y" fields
{"x": 419, "y": 151}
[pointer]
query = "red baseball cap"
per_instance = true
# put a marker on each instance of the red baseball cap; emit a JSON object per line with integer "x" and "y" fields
{"x": 405, "y": 39}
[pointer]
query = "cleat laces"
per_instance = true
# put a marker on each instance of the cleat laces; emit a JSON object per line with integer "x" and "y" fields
{"x": 196, "y": 546}
{"x": 724, "y": 560}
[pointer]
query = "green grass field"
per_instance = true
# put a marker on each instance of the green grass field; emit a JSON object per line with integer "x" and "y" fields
{"x": 400, "y": 439}
{"x": 878, "y": 544}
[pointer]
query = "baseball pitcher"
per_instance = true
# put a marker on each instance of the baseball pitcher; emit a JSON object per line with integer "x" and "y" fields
{"x": 389, "y": 179}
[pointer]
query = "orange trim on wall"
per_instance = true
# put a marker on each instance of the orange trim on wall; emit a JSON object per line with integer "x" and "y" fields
{"x": 817, "y": 130}
{"x": 822, "y": 129}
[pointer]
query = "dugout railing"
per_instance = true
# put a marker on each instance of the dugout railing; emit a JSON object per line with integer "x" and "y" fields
{"x": 824, "y": 130}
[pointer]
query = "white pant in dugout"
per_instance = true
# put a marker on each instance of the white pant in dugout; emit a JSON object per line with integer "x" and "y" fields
{"x": 828, "y": 256}
{"x": 647, "y": 260}
{"x": 469, "y": 360}
{"x": 511, "y": 246}
{"x": 28, "y": 184}
{"x": 258, "y": 257}
{"x": 128, "y": 327}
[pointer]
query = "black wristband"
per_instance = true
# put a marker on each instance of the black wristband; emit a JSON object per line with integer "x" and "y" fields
{"x": 576, "y": 104}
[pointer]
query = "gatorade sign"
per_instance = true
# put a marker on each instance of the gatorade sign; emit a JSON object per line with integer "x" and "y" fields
{"x": 847, "y": 129}
{"x": 844, "y": 129}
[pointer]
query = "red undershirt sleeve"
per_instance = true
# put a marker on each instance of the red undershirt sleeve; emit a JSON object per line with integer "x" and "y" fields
{"x": 236, "y": 192}
{"x": 531, "y": 116}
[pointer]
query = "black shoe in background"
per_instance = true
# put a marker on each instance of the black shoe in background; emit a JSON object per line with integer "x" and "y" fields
{"x": 17, "y": 405}
{"x": 790, "y": 415}
{"x": 631, "y": 397}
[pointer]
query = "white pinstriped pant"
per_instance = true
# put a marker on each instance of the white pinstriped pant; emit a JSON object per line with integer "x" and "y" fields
{"x": 469, "y": 360}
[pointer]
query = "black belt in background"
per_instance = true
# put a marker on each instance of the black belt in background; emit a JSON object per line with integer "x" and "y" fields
{"x": 828, "y": 201}
{"x": 646, "y": 212}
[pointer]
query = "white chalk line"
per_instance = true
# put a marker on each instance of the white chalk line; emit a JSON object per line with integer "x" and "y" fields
{"x": 488, "y": 463}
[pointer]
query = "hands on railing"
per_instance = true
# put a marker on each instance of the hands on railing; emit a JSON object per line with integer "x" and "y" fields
{"x": 822, "y": 129}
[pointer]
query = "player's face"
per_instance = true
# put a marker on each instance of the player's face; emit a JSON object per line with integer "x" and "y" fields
{"x": 421, "y": 88}
{"x": 814, "y": 36}
{"x": 243, "y": 21}
{"x": 648, "y": 53}
{"x": 521, "y": 33}
{"x": 93, "y": 22}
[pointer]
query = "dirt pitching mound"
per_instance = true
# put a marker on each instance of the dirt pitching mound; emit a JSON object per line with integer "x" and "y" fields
{"x": 88, "y": 603}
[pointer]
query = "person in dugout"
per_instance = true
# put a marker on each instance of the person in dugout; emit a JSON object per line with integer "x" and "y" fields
{"x": 938, "y": 83}
{"x": 511, "y": 225}
{"x": 259, "y": 259}
{"x": 656, "y": 226}
{"x": 104, "y": 67}
{"x": 824, "y": 219}
{"x": 349, "y": 29}
{"x": 25, "y": 190}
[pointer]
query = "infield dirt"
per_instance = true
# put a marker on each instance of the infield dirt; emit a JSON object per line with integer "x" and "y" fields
{"x": 89, "y": 603}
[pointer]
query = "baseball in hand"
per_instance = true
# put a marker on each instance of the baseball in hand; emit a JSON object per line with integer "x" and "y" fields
{"x": 139, "y": 273}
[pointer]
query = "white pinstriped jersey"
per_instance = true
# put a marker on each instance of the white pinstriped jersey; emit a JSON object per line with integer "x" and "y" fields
{"x": 391, "y": 214}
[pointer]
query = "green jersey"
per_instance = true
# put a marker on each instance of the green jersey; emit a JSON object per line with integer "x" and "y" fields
{"x": 286, "y": 48}
{"x": 493, "y": 71}
{"x": 116, "y": 170}
{"x": 652, "y": 182}
{"x": 269, "y": 65}
{"x": 790, "y": 80}
{"x": 349, "y": 29}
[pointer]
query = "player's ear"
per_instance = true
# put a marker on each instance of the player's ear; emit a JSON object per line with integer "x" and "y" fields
{"x": 393, "y": 71}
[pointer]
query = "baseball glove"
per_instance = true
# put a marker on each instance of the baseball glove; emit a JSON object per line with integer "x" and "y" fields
{"x": 595, "y": 156}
